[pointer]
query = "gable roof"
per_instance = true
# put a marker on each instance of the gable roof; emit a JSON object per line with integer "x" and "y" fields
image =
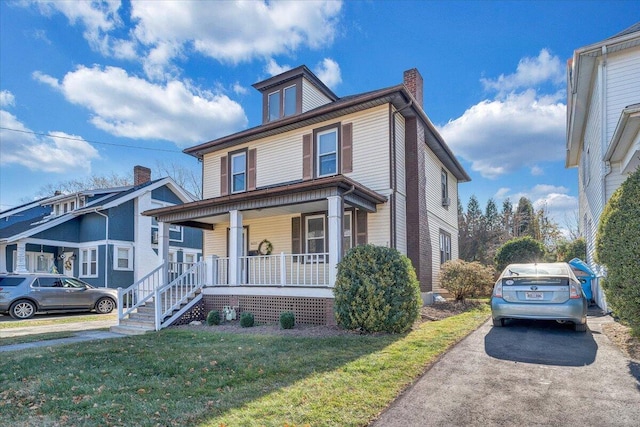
{"x": 397, "y": 95}
{"x": 111, "y": 197}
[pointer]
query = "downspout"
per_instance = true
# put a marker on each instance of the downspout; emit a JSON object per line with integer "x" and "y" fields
{"x": 106, "y": 247}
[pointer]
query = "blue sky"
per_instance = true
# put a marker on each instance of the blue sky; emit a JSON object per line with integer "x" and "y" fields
{"x": 94, "y": 88}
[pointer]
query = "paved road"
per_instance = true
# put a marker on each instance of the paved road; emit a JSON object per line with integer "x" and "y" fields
{"x": 526, "y": 374}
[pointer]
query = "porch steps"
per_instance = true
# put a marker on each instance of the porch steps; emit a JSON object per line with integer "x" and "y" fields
{"x": 143, "y": 319}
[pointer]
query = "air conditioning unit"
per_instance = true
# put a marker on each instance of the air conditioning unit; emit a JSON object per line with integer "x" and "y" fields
{"x": 446, "y": 201}
{"x": 154, "y": 236}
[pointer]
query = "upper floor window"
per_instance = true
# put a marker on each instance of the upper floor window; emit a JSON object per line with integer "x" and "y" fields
{"x": 274, "y": 106}
{"x": 239, "y": 172}
{"x": 327, "y": 152}
{"x": 289, "y": 104}
{"x": 444, "y": 178}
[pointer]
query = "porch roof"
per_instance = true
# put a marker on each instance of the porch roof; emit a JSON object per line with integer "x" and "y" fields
{"x": 199, "y": 213}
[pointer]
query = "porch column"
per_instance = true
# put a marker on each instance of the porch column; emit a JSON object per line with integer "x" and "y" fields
{"x": 3, "y": 258}
{"x": 336, "y": 209}
{"x": 21, "y": 258}
{"x": 163, "y": 246}
{"x": 235, "y": 246}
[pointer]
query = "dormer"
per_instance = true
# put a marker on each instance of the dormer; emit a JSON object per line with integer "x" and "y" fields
{"x": 292, "y": 92}
{"x": 62, "y": 203}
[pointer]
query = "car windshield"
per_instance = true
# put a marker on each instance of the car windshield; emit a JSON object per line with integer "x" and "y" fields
{"x": 536, "y": 270}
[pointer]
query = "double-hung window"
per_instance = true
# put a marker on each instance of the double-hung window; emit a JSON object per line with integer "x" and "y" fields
{"x": 315, "y": 234}
{"x": 327, "y": 152}
{"x": 289, "y": 104}
{"x": 124, "y": 258}
{"x": 445, "y": 247}
{"x": 239, "y": 172}
{"x": 89, "y": 262}
{"x": 282, "y": 103}
{"x": 274, "y": 106}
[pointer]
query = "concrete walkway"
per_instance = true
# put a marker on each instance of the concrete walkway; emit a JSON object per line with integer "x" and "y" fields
{"x": 86, "y": 331}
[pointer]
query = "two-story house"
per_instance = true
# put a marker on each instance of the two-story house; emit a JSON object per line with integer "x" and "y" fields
{"x": 97, "y": 235}
{"x": 283, "y": 201}
{"x": 603, "y": 126}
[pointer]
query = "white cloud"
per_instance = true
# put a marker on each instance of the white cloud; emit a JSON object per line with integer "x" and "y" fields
{"x": 329, "y": 72}
{"x": 58, "y": 152}
{"x": 132, "y": 107}
{"x": 7, "y": 99}
{"x": 501, "y": 136}
{"x": 537, "y": 170}
{"x": 530, "y": 72}
{"x": 273, "y": 68}
{"x": 553, "y": 198}
{"x": 232, "y": 31}
{"x": 238, "y": 89}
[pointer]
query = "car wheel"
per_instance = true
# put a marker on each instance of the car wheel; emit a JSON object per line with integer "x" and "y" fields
{"x": 580, "y": 327}
{"x": 105, "y": 305}
{"x": 23, "y": 309}
{"x": 498, "y": 322}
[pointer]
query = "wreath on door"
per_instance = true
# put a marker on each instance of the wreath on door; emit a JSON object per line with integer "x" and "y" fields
{"x": 265, "y": 247}
{"x": 67, "y": 264}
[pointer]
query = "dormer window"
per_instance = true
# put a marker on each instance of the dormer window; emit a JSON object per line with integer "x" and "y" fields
{"x": 289, "y": 102}
{"x": 282, "y": 102}
{"x": 274, "y": 106}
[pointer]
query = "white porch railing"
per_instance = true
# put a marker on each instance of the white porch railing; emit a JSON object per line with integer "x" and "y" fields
{"x": 140, "y": 292}
{"x": 179, "y": 291}
{"x": 277, "y": 270}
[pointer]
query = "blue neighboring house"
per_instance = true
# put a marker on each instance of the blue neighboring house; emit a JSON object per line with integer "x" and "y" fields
{"x": 98, "y": 235}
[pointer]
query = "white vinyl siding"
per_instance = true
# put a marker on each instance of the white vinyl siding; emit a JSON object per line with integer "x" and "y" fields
{"x": 378, "y": 226}
{"x": 211, "y": 175}
{"x": 312, "y": 97}
{"x": 401, "y": 223}
{"x": 435, "y": 226}
{"x": 371, "y": 163}
{"x": 433, "y": 171}
{"x": 623, "y": 85}
{"x": 401, "y": 184}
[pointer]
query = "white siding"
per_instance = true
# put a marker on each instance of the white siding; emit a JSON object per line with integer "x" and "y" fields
{"x": 371, "y": 163}
{"x": 623, "y": 85}
{"x": 435, "y": 225}
{"x": 401, "y": 184}
{"x": 378, "y": 226}
{"x": 211, "y": 175}
{"x": 279, "y": 158}
{"x": 401, "y": 223}
{"x": 312, "y": 97}
{"x": 433, "y": 168}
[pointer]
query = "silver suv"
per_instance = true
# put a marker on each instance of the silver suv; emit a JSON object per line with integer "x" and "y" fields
{"x": 22, "y": 295}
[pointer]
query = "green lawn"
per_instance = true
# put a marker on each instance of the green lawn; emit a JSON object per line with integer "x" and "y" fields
{"x": 43, "y": 321}
{"x": 37, "y": 337}
{"x": 194, "y": 377}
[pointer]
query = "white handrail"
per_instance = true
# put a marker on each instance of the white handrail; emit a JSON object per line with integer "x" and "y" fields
{"x": 172, "y": 296}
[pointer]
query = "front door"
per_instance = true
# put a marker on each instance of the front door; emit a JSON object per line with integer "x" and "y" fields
{"x": 68, "y": 264}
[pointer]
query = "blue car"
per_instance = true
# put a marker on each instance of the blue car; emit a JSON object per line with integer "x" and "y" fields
{"x": 544, "y": 291}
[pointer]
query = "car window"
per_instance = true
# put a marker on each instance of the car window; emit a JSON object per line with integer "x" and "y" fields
{"x": 10, "y": 281}
{"x": 49, "y": 282}
{"x": 70, "y": 282}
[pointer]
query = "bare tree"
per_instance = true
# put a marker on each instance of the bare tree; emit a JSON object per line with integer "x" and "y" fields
{"x": 183, "y": 176}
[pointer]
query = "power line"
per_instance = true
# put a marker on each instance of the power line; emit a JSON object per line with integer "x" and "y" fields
{"x": 91, "y": 141}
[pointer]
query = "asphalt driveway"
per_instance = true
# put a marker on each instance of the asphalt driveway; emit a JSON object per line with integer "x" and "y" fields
{"x": 526, "y": 374}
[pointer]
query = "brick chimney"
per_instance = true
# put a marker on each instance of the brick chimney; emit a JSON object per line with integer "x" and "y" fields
{"x": 141, "y": 175}
{"x": 413, "y": 83}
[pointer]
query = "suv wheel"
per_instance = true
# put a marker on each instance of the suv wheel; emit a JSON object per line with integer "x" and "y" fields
{"x": 23, "y": 309}
{"x": 105, "y": 305}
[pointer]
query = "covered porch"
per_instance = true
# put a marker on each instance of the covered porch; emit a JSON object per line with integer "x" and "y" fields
{"x": 274, "y": 248}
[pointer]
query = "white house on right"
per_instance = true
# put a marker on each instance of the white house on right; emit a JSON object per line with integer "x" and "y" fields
{"x": 603, "y": 126}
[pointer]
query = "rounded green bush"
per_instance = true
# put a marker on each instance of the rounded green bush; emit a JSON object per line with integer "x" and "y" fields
{"x": 376, "y": 290}
{"x": 287, "y": 320}
{"x": 213, "y": 318}
{"x": 618, "y": 248}
{"x": 519, "y": 250}
{"x": 246, "y": 320}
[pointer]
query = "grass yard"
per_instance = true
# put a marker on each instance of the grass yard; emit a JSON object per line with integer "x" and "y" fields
{"x": 39, "y": 320}
{"x": 197, "y": 377}
{"x": 23, "y": 339}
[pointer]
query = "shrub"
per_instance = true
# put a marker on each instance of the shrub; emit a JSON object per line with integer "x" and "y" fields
{"x": 570, "y": 250}
{"x": 521, "y": 249}
{"x": 618, "y": 248}
{"x": 376, "y": 290}
{"x": 213, "y": 318}
{"x": 465, "y": 279}
{"x": 287, "y": 320}
{"x": 246, "y": 320}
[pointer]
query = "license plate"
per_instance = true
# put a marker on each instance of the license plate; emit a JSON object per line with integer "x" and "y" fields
{"x": 534, "y": 295}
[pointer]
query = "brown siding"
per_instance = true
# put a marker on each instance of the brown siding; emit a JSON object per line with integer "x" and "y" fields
{"x": 224, "y": 176}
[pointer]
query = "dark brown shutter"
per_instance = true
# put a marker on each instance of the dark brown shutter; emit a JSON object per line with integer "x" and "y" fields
{"x": 224, "y": 178}
{"x": 347, "y": 148}
{"x": 251, "y": 170}
{"x": 307, "y": 157}
{"x": 296, "y": 241}
{"x": 361, "y": 227}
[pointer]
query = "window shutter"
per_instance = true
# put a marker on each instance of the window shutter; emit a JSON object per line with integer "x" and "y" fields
{"x": 296, "y": 241}
{"x": 361, "y": 227}
{"x": 224, "y": 179}
{"x": 347, "y": 148}
{"x": 251, "y": 169}
{"x": 307, "y": 157}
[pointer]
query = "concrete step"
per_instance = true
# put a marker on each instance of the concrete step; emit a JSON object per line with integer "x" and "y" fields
{"x": 137, "y": 323}
{"x": 130, "y": 330}
{"x": 143, "y": 317}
